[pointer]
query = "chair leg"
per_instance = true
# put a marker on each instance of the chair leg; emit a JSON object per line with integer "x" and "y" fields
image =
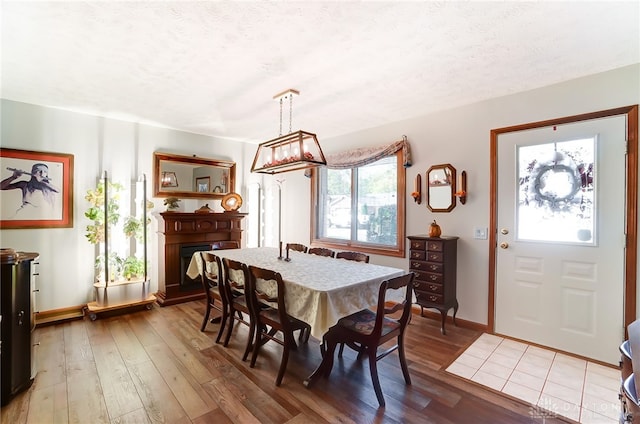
{"x": 232, "y": 319}
{"x": 223, "y": 324}
{"x": 373, "y": 367}
{"x": 403, "y": 360}
{"x": 256, "y": 346}
{"x": 206, "y": 318}
{"x": 249, "y": 348}
{"x": 285, "y": 358}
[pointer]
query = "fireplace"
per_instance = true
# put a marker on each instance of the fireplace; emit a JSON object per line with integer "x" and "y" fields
{"x": 179, "y": 236}
{"x": 186, "y": 253}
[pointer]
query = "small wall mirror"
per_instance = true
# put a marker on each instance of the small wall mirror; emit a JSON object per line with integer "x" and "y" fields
{"x": 192, "y": 177}
{"x": 441, "y": 188}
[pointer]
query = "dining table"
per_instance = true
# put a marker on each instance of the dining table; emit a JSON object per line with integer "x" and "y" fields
{"x": 319, "y": 290}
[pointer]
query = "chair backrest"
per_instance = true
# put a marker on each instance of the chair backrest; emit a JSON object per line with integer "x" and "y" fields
{"x": 353, "y": 256}
{"x": 236, "y": 276}
{"x": 267, "y": 288}
{"x": 321, "y": 251}
{"x": 211, "y": 274}
{"x": 225, "y": 244}
{"x": 297, "y": 247}
{"x": 397, "y": 283}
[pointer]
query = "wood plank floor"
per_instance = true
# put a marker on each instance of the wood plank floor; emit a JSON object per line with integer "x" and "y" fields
{"x": 157, "y": 367}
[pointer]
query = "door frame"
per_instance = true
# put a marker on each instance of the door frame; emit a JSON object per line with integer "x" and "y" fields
{"x": 631, "y": 201}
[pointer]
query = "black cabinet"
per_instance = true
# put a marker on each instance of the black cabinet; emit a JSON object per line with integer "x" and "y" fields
{"x": 434, "y": 261}
{"x": 18, "y": 322}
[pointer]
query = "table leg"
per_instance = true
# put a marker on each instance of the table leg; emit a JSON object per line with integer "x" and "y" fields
{"x": 325, "y": 365}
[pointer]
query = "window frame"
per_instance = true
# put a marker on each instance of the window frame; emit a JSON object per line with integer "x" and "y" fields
{"x": 354, "y": 245}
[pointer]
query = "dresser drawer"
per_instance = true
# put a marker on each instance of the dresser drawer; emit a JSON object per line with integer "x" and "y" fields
{"x": 435, "y": 246}
{"x": 432, "y": 288}
{"x": 435, "y": 256}
{"x": 420, "y": 255}
{"x": 426, "y": 266}
{"x": 419, "y": 244}
{"x": 429, "y": 298}
{"x": 429, "y": 277}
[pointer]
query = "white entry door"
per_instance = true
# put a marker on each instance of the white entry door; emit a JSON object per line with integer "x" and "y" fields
{"x": 560, "y": 237}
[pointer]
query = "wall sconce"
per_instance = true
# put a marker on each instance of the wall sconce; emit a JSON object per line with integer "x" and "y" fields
{"x": 461, "y": 194}
{"x": 169, "y": 179}
{"x": 417, "y": 189}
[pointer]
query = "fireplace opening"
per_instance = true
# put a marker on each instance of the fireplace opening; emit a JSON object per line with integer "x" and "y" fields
{"x": 186, "y": 253}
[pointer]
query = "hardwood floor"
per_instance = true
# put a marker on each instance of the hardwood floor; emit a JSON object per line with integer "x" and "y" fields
{"x": 156, "y": 366}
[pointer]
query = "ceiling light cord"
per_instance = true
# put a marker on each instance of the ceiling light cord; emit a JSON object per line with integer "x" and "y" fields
{"x": 290, "y": 111}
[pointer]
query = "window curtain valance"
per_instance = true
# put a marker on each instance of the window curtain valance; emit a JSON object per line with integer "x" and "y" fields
{"x": 366, "y": 155}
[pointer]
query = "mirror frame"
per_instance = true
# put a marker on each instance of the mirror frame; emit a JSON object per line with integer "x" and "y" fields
{"x": 191, "y": 160}
{"x": 452, "y": 186}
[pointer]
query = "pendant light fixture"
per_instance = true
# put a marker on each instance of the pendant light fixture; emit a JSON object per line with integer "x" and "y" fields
{"x": 290, "y": 152}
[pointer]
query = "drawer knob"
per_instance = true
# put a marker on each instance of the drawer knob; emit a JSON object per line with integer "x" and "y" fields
{"x": 433, "y": 277}
{"x": 432, "y": 287}
{"x": 433, "y": 267}
{"x": 433, "y": 298}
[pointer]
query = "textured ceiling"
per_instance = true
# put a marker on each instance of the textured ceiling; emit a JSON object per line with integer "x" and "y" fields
{"x": 213, "y": 67}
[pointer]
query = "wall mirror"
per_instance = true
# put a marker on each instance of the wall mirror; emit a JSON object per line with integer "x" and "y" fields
{"x": 441, "y": 188}
{"x": 192, "y": 177}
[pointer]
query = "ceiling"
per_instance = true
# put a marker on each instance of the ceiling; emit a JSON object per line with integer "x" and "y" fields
{"x": 213, "y": 67}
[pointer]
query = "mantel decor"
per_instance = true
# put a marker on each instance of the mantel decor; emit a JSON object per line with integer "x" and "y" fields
{"x": 290, "y": 152}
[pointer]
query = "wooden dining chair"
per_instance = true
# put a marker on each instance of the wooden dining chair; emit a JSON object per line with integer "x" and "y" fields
{"x": 235, "y": 280}
{"x": 321, "y": 251}
{"x": 297, "y": 247}
{"x": 266, "y": 288}
{"x": 225, "y": 244}
{"x": 367, "y": 330}
{"x": 353, "y": 256}
{"x": 211, "y": 277}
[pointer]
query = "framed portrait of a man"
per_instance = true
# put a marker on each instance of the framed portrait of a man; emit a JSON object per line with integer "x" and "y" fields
{"x": 36, "y": 189}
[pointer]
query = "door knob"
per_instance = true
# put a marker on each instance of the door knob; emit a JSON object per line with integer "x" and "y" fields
{"x": 504, "y": 245}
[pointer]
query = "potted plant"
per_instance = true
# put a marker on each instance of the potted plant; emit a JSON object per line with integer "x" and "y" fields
{"x": 96, "y": 213}
{"x": 133, "y": 267}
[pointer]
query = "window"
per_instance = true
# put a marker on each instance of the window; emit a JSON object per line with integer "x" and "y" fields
{"x": 361, "y": 208}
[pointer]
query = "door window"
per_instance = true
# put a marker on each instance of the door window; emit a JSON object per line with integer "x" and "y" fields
{"x": 556, "y": 196}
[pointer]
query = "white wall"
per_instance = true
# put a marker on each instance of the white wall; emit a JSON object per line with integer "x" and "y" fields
{"x": 459, "y": 136}
{"x": 124, "y": 150}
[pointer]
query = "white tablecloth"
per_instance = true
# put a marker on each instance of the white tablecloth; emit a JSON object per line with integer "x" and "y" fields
{"x": 319, "y": 290}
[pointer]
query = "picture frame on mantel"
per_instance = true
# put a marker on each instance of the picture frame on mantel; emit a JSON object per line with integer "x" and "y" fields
{"x": 36, "y": 189}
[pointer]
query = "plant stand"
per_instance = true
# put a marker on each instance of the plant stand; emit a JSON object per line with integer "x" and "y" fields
{"x": 122, "y": 294}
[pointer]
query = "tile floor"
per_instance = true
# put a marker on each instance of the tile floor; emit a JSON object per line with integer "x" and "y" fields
{"x": 554, "y": 383}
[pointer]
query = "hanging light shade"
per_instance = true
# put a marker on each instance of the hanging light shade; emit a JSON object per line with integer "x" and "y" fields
{"x": 291, "y": 152}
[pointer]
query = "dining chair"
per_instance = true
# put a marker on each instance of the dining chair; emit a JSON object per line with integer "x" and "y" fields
{"x": 225, "y": 244}
{"x": 321, "y": 251}
{"x": 235, "y": 280}
{"x": 367, "y": 330}
{"x": 297, "y": 246}
{"x": 353, "y": 256}
{"x": 266, "y": 288}
{"x": 211, "y": 283}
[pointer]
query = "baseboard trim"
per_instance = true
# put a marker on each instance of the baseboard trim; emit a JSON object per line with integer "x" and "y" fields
{"x": 471, "y": 325}
{"x": 56, "y": 316}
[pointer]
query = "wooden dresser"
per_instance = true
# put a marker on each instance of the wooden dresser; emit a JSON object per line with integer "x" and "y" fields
{"x": 181, "y": 234}
{"x": 434, "y": 261}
